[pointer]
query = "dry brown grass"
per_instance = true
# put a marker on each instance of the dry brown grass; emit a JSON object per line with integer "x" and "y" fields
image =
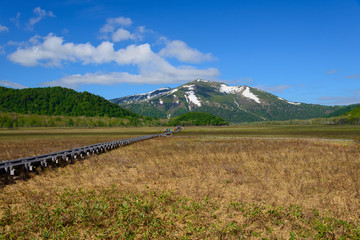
{"x": 306, "y": 173}
{"x": 279, "y": 173}
{"x": 29, "y": 142}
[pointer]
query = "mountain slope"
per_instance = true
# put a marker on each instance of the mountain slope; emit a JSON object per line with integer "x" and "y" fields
{"x": 233, "y": 103}
{"x": 141, "y": 97}
{"x": 58, "y": 101}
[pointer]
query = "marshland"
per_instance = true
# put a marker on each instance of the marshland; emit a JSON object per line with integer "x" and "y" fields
{"x": 270, "y": 182}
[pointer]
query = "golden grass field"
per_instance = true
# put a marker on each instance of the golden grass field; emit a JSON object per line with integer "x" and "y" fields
{"x": 202, "y": 183}
{"x": 19, "y": 143}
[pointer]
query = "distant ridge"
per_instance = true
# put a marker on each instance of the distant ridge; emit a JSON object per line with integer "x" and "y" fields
{"x": 233, "y": 103}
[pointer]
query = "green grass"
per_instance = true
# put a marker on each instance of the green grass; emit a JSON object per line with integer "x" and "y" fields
{"x": 113, "y": 214}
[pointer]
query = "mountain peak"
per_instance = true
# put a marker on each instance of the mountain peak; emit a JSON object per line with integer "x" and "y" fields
{"x": 234, "y": 103}
{"x": 142, "y": 96}
{"x": 201, "y": 80}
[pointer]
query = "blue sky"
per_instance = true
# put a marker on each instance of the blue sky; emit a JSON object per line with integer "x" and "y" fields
{"x": 301, "y": 50}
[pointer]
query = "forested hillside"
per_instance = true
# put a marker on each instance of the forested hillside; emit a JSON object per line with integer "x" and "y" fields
{"x": 198, "y": 118}
{"x": 354, "y": 115}
{"x": 344, "y": 110}
{"x": 58, "y": 101}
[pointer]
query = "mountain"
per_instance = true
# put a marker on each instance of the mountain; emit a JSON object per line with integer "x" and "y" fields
{"x": 141, "y": 97}
{"x": 59, "y": 101}
{"x": 233, "y": 103}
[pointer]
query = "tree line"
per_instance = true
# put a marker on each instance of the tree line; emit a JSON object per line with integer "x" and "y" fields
{"x": 15, "y": 120}
{"x": 198, "y": 119}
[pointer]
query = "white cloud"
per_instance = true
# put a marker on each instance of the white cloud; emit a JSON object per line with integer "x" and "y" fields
{"x": 121, "y": 35}
{"x": 7, "y": 83}
{"x": 333, "y": 71}
{"x": 3, "y": 28}
{"x": 152, "y": 68}
{"x": 142, "y": 29}
{"x": 353, "y": 76}
{"x": 52, "y": 51}
{"x": 274, "y": 89}
{"x": 114, "y": 29}
{"x": 16, "y": 19}
{"x": 329, "y": 100}
{"x": 40, "y": 14}
{"x": 2, "y": 50}
{"x": 174, "y": 75}
{"x": 181, "y": 51}
{"x": 112, "y": 23}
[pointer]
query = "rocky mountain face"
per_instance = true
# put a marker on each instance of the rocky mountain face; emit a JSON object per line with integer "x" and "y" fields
{"x": 141, "y": 97}
{"x": 233, "y": 103}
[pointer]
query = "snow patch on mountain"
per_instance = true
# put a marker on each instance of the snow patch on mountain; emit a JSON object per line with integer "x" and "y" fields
{"x": 294, "y": 103}
{"x": 174, "y": 90}
{"x": 230, "y": 90}
{"x": 143, "y": 96}
{"x": 190, "y": 87}
{"x": 161, "y": 102}
{"x": 193, "y": 98}
{"x": 238, "y": 105}
{"x": 201, "y": 80}
{"x": 248, "y": 94}
{"x": 162, "y": 90}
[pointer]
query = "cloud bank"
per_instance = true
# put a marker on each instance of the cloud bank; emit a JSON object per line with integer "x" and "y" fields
{"x": 54, "y": 52}
{"x": 171, "y": 75}
{"x": 153, "y": 67}
{"x": 7, "y": 83}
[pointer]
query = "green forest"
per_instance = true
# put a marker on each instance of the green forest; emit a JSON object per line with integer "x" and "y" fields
{"x": 16, "y": 120}
{"x": 59, "y": 101}
{"x": 354, "y": 115}
{"x": 197, "y": 118}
